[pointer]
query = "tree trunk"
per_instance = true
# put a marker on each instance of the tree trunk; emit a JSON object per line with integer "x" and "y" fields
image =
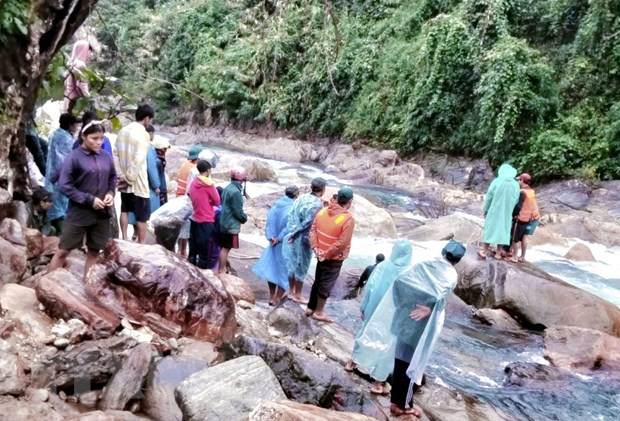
{"x": 25, "y": 59}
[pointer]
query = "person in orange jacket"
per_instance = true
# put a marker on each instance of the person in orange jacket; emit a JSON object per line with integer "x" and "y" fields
{"x": 526, "y": 217}
{"x": 330, "y": 239}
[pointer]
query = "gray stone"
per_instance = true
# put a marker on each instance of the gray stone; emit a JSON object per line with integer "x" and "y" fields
{"x": 293, "y": 411}
{"x": 290, "y": 320}
{"x": 228, "y": 391}
{"x": 21, "y": 305}
{"x": 12, "y": 409}
{"x": 159, "y": 402}
{"x": 522, "y": 373}
{"x": 89, "y": 399}
{"x": 127, "y": 381}
{"x": 497, "y": 318}
{"x": 61, "y": 343}
{"x": 13, "y": 380}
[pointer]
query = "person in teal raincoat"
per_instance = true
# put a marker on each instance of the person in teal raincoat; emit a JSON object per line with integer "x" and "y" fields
{"x": 271, "y": 265}
{"x": 501, "y": 198}
{"x": 378, "y": 365}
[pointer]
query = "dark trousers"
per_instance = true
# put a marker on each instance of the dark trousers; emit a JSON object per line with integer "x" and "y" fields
{"x": 201, "y": 245}
{"x": 402, "y": 386}
{"x": 325, "y": 278}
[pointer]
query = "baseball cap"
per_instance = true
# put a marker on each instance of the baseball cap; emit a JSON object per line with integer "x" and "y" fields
{"x": 345, "y": 194}
{"x": 525, "y": 177}
{"x": 193, "y": 152}
{"x": 160, "y": 142}
{"x": 453, "y": 251}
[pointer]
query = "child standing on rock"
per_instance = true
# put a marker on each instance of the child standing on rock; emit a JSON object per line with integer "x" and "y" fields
{"x": 526, "y": 217}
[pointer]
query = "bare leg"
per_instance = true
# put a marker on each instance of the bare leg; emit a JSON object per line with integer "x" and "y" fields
{"x": 523, "y": 248}
{"x": 278, "y": 295}
{"x": 484, "y": 252}
{"x": 318, "y": 313}
{"x": 91, "y": 259}
{"x": 183, "y": 247}
{"x": 58, "y": 261}
{"x": 293, "y": 286}
{"x": 141, "y": 232}
{"x": 124, "y": 221}
{"x": 223, "y": 260}
{"x": 272, "y": 293}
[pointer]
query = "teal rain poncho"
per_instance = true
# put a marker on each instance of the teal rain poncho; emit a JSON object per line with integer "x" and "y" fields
{"x": 61, "y": 143}
{"x": 502, "y": 196}
{"x": 429, "y": 283}
{"x": 298, "y": 253}
{"x": 271, "y": 265}
{"x": 378, "y": 365}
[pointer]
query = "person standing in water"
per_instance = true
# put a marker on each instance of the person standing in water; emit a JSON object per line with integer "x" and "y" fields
{"x": 501, "y": 198}
{"x": 330, "y": 239}
{"x": 296, "y": 247}
{"x": 379, "y": 365}
{"x": 232, "y": 216}
{"x": 271, "y": 265}
{"x": 88, "y": 179}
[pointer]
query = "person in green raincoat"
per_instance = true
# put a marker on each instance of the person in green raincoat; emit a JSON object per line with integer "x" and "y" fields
{"x": 501, "y": 198}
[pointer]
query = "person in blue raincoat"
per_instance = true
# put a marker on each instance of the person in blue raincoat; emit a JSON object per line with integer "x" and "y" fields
{"x": 378, "y": 365}
{"x": 296, "y": 245}
{"x": 271, "y": 265}
{"x": 501, "y": 198}
{"x": 409, "y": 319}
{"x": 61, "y": 143}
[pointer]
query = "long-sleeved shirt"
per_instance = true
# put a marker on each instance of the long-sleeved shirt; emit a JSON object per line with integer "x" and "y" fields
{"x": 232, "y": 209}
{"x": 204, "y": 197}
{"x": 84, "y": 176}
{"x": 130, "y": 155}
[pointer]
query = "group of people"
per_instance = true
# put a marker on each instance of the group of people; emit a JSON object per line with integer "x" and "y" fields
{"x": 511, "y": 215}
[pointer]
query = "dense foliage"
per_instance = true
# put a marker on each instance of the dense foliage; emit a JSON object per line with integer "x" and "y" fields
{"x": 534, "y": 82}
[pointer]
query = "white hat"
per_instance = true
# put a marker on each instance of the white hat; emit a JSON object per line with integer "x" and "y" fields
{"x": 160, "y": 142}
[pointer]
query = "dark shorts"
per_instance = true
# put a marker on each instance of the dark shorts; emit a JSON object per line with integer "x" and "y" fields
{"x": 97, "y": 235}
{"x": 327, "y": 273}
{"x": 519, "y": 229}
{"x": 229, "y": 241}
{"x": 140, "y": 206}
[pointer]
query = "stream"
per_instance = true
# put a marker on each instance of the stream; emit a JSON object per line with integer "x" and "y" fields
{"x": 471, "y": 357}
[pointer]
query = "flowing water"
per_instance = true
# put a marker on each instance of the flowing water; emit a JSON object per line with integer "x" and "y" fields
{"x": 470, "y": 357}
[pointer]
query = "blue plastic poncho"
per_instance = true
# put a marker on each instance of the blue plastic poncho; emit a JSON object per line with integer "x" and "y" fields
{"x": 271, "y": 265}
{"x": 378, "y": 365}
{"x": 501, "y": 198}
{"x": 61, "y": 143}
{"x": 429, "y": 283}
{"x": 298, "y": 254}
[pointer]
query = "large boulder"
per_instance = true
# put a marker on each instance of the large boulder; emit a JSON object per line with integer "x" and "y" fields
{"x": 236, "y": 286}
{"x": 173, "y": 288}
{"x": 228, "y": 391}
{"x": 127, "y": 381}
{"x": 579, "y": 349}
{"x": 22, "y": 307}
{"x": 86, "y": 366}
{"x": 532, "y": 296}
{"x": 564, "y": 195}
{"x": 66, "y": 297}
{"x": 460, "y": 227}
{"x": 13, "y": 379}
{"x": 580, "y": 253}
{"x": 294, "y": 411}
{"x": 497, "y": 318}
{"x": 259, "y": 170}
{"x": 159, "y": 402}
{"x": 12, "y": 409}
{"x": 13, "y": 256}
{"x": 523, "y": 373}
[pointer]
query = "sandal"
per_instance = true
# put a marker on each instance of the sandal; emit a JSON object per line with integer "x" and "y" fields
{"x": 395, "y": 410}
{"x": 521, "y": 259}
{"x": 482, "y": 254}
{"x": 299, "y": 300}
{"x": 322, "y": 318}
{"x": 383, "y": 391}
{"x": 498, "y": 256}
{"x": 512, "y": 259}
{"x": 350, "y": 366}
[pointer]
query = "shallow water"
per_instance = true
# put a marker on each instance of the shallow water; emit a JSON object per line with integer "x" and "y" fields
{"x": 471, "y": 357}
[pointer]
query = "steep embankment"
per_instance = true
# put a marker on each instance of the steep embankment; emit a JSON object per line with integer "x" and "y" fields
{"x": 534, "y": 82}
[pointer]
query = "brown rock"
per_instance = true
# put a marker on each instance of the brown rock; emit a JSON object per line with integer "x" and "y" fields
{"x": 12, "y": 409}
{"x": 172, "y": 288}
{"x": 497, "y": 318}
{"x": 580, "y": 253}
{"x": 576, "y": 348}
{"x": 205, "y": 351}
{"x": 127, "y": 381}
{"x": 34, "y": 242}
{"x": 13, "y": 262}
{"x": 294, "y": 411}
{"x": 12, "y": 232}
{"x": 66, "y": 297}
{"x": 237, "y": 287}
{"x": 259, "y": 170}
{"x": 22, "y": 307}
{"x": 532, "y": 296}
{"x": 13, "y": 380}
{"x": 109, "y": 415}
{"x": 50, "y": 245}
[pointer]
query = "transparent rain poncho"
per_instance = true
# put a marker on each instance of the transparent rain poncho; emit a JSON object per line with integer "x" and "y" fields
{"x": 381, "y": 279}
{"x": 429, "y": 283}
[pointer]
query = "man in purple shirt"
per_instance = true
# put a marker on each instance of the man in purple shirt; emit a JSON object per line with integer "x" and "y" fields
{"x": 88, "y": 179}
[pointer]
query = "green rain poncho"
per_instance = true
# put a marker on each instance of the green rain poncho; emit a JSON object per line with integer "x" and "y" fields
{"x": 379, "y": 365}
{"x": 502, "y": 196}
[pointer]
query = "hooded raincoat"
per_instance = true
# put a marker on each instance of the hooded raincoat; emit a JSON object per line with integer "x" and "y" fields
{"x": 271, "y": 265}
{"x": 61, "y": 143}
{"x": 298, "y": 253}
{"x": 379, "y": 365}
{"x": 427, "y": 283}
{"x": 501, "y": 198}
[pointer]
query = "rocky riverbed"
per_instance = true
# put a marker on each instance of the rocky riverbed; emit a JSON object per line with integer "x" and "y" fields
{"x": 148, "y": 336}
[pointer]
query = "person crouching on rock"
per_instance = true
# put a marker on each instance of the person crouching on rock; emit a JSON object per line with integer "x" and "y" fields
{"x": 378, "y": 364}
{"x": 526, "y": 217}
{"x": 271, "y": 265}
{"x": 330, "y": 239}
{"x": 501, "y": 198}
{"x": 232, "y": 215}
{"x": 88, "y": 179}
{"x": 204, "y": 197}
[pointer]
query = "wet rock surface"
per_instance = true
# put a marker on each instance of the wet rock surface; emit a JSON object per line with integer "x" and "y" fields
{"x": 230, "y": 390}
{"x": 584, "y": 350}
{"x": 580, "y": 253}
{"x": 497, "y": 318}
{"x": 294, "y": 411}
{"x": 522, "y": 374}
